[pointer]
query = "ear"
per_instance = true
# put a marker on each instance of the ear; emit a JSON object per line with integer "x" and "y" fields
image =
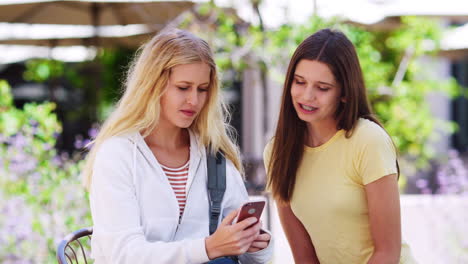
{"x": 343, "y": 99}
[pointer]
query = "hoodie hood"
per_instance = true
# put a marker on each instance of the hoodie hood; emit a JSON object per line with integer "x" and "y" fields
{"x": 139, "y": 145}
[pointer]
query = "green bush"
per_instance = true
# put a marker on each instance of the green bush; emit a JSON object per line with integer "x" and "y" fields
{"x": 40, "y": 191}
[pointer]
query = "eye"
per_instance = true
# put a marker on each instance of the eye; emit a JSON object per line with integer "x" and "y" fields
{"x": 296, "y": 81}
{"x": 202, "y": 90}
{"x": 182, "y": 88}
{"x": 324, "y": 89}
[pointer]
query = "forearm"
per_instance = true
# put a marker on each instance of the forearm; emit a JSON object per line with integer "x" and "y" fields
{"x": 299, "y": 240}
{"x": 384, "y": 219}
{"x": 385, "y": 257}
{"x": 130, "y": 247}
{"x": 309, "y": 259}
{"x": 301, "y": 245}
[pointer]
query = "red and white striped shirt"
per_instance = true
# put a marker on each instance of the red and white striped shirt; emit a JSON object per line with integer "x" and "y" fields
{"x": 178, "y": 179}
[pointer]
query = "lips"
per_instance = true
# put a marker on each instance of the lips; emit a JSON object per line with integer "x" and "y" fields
{"x": 188, "y": 113}
{"x": 308, "y": 109}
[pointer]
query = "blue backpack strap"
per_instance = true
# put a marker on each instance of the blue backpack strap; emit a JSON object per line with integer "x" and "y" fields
{"x": 216, "y": 187}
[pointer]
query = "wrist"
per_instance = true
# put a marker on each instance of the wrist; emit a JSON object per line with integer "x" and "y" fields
{"x": 210, "y": 248}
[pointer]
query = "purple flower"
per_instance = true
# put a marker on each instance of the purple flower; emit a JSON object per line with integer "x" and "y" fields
{"x": 78, "y": 144}
{"x": 33, "y": 123}
{"x": 57, "y": 161}
{"x": 426, "y": 191}
{"x": 18, "y": 141}
{"x": 452, "y": 177}
{"x": 64, "y": 156}
{"x": 421, "y": 183}
{"x": 86, "y": 144}
{"x": 93, "y": 132}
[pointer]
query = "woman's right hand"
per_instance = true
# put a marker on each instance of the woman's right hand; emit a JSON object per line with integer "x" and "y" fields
{"x": 232, "y": 239}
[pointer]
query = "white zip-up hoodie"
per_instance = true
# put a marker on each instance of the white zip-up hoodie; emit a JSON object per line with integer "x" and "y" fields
{"x": 136, "y": 214}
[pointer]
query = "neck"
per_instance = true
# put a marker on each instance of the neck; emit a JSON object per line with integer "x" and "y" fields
{"x": 168, "y": 137}
{"x": 319, "y": 134}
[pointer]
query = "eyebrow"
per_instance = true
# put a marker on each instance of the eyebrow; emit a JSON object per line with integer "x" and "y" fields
{"x": 321, "y": 82}
{"x": 191, "y": 83}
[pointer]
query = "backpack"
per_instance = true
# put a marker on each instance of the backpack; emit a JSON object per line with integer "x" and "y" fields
{"x": 216, "y": 187}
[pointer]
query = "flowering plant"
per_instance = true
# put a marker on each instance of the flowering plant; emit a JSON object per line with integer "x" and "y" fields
{"x": 450, "y": 177}
{"x": 40, "y": 191}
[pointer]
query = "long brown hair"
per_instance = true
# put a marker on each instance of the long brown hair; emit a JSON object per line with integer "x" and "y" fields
{"x": 334, "y": 49}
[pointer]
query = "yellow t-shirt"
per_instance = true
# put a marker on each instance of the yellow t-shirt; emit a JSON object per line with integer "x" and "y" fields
{"x": 329, "y": 196}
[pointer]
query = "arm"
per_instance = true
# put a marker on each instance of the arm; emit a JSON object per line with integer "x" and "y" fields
{"x": 118, "y": 232}
{"x": 384, "y": 217}
{"x": 261, "y": 248}
{"x": 299, "y": 240}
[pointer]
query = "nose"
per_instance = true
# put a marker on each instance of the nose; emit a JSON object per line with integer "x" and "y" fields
{"x": 192, "y": 98}
{"x": 309, "y": 93}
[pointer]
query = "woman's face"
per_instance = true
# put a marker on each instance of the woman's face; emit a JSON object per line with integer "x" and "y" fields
{"x": 315, "y": 93}
{"x": 186, "y": 94}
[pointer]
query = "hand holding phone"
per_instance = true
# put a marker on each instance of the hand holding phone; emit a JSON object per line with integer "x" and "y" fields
{"x": 250, "y": 209}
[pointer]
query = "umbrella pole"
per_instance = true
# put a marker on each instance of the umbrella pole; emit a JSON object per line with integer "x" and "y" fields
{"x": 52, "y": 82}
{"x": 95, "y": 12}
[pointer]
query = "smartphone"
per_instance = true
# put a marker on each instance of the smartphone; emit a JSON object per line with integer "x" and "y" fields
{"x": 249, "y": 209}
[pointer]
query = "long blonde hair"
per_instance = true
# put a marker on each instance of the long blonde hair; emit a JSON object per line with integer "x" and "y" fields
{"x": 139, "y": 108}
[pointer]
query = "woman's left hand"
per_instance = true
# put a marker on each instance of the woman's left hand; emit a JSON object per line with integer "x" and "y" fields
{"x": 261, "y": 242}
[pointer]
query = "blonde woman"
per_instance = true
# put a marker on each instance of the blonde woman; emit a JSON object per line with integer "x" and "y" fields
{"x": 147, "y": 171}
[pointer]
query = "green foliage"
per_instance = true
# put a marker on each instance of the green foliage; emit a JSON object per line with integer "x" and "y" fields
{"x": 399, "y": 99}
{"x": 6, "y": 99}
{"x": 97, "y": 81}
{"x": 42, "y": 70}
{"x": 400, "y": 104}
{"x": 42, "y": 198}
{"x": 113, "y": 63}
{"x": 40, "y": 191}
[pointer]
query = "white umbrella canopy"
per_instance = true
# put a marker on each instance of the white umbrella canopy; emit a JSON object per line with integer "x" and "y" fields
{"x": 96, "y": 13}
{"x": 131, "y": 36}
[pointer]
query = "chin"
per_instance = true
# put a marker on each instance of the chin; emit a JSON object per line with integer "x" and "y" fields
{"x": 184, "y": 124}
{"x": 308, "y": 120}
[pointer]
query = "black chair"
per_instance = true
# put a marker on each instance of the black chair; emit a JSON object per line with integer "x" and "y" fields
{"x": 74, "y": 247}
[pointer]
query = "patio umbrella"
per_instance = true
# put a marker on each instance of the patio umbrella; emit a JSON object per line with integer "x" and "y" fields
{"x": 130, "y": 36}
{"x": 92, "y": 12}
{"x": 97, "y": 13}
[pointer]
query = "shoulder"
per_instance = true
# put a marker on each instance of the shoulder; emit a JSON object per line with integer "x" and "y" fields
{"x": 115, "y": 147}
{"x": 234, "y": 177}
{"x": 113, "y": 162}
{"x": 370, "y": 138}
{"x": 367, "y": 130}
{"x": 230, "y": 166}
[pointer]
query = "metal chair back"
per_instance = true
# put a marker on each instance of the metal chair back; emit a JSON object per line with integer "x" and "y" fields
{"x": 74, "y": 247}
